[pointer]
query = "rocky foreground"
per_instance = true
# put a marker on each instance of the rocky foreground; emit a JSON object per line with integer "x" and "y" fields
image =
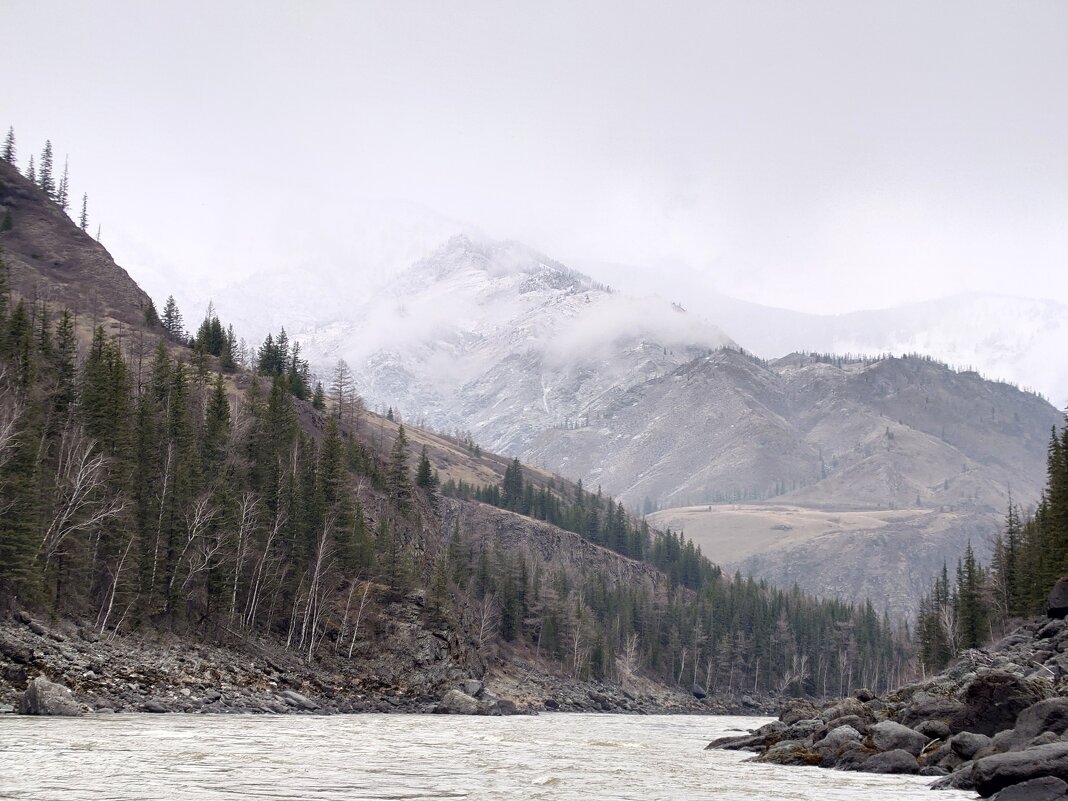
{"x": 65, "y": 669}
{"x": 995, "y": 722}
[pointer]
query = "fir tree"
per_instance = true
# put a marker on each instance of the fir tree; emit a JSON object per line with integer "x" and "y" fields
{"x": 400, "y": 487}
{"x": 83, "y": 219}
{"x": 45, "y": 180}
{"x": 63, "y": 191}
{"x": 319, "y": 397}
{"x": 424, "y": 474}
{"x": 9, "y": 147}
{"x": 172, "y": 319}
{"x": 31, "y": 172}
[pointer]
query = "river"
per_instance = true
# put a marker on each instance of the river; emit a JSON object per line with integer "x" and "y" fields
{"x": 564, "y": 757}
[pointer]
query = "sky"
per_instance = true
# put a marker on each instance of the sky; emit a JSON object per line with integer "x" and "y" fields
{"x": 819, "y": 156}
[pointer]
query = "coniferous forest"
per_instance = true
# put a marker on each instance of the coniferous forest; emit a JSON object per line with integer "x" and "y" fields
{"x": 1029, "y": 555}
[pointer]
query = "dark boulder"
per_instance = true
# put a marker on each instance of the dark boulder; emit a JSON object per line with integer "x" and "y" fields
{"x": 797, "y": 709}
{"x": 1057, "y": 603}
{"x": 43, "y": 697}
{"x": 896, "y": 761}
{"x": 846, "y": 707}
{"x": 993, "y": 700}
{"x": 890, "y": 736}
{"x": 966, "y": 744}
{"x": 998, "y": 771}
{"x": 790, "y": 752}
{"x": 933, "y": 729}
{"x": 698, "y": 691}
{"x": 1048, "y": 788}
{"x": 154, "y": 706}
{"x": 922, "y": 709}
{"x": 1050, "y": 715}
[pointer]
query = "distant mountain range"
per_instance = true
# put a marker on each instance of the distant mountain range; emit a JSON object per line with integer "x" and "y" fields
{"x": 1004, "y": 337}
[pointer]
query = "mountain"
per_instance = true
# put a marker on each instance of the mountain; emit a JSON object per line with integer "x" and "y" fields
{"x": 53, "y": 261}
{"x": 1004, "y": 337}
{"x": 850, "y": 478}
{"x": 495, "y": 338}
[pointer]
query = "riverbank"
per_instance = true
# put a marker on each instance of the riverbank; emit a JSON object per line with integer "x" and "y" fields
{"x": 411, "y": 671}
{"x": 994, "y": 719}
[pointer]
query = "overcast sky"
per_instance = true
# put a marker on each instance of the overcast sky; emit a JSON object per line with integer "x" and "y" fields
{"x": 820, "y": 156}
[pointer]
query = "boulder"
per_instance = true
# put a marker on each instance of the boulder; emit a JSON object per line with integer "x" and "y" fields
{"x": 965, "y": 744}
{"x": 933, "y": 729}
{"x": 295, "y": 699}
{"x": 154, "y": 706}
{"x": 1057, "y": 603}
{"x": 890, "y": 736}
{"x": 1048, "y": 788}
{"x": 455, "y": 702}
{"x": 847, "y": 706}
{"x": 998, "y": 771}
{"x": 797, "y": 709}
{"x": 698, "y": 691}
{"x": 43, "y": 697}
{"x": 790, "y": 752}
{"x": 862, "y": 694}
{"x": 838, "y": 737}
{"x": 1050, "y": 715}
{"x": 849, "y": 757}
{"x": 926, "y": 708}
{"x": 472, "y": 687}
{"x": 896, "y": 761}
{"x": 993, "y": 700}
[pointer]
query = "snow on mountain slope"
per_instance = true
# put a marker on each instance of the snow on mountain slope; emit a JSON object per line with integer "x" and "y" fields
{"x": 1004, "y": 337}
{"x": 495, "y": 338}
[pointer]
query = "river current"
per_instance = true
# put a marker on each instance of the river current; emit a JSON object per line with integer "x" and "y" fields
{"x": 563, "y": 757}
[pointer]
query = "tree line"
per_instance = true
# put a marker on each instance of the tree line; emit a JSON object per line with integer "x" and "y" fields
{"x": 1030, "y": 554}
{"x": 44, "y": 175}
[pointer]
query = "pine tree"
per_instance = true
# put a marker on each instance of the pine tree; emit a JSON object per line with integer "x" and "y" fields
{"x": 63, "y": 191}
{"x": 31, "y": 172}
{"x": 319, "y": 397}
{"x": 216, "y": 428}
{"x": 400, "y": 487}
{"x": 172, "y": 319}
{"x": 424, "y": 474}
{"x": 9, "y": 147}
{"x": 151, "y": 316}
{"x": 45, "y": 180}
{"x": 83, "y": 219}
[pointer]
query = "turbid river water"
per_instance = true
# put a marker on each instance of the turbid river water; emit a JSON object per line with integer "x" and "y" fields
{"x": 561, "y": 757}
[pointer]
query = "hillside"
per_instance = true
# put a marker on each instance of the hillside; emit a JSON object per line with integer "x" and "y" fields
{"x": 855, "y": 479}
{"x": 53, "y": 261}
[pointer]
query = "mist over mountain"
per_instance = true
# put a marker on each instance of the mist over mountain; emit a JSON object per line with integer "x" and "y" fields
{"x": 1004, "y": 337}
{"x": 495, "y": 338}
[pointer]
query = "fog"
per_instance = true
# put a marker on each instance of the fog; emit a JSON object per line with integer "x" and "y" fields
{"x": 818, "y": 156}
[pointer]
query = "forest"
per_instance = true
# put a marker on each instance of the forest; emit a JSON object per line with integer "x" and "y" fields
{"x": 1030, "y": 554}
